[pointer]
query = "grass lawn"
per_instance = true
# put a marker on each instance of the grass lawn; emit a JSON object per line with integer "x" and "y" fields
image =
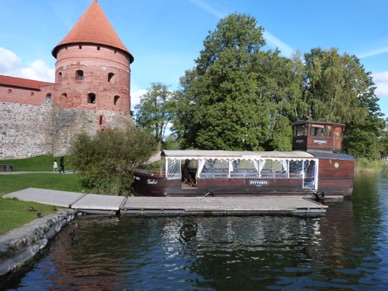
{"x": 40, "y": 163}
{"x": 15, "y": 182}
{"x": 15, "y": 213}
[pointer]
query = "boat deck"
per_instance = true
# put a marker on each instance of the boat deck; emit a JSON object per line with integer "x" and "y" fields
{"x": 171, "y": 206}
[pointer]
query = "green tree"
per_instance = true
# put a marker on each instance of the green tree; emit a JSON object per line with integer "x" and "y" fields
{"x": 153, "y": 113}
{"x": 106, "y": 160}
{"x": 339, "y": 89}
{"x": 335, "y": 86}
{"x": 235, "y": 96}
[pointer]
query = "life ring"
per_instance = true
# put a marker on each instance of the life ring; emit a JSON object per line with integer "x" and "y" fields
{"x": 319, "y": 195}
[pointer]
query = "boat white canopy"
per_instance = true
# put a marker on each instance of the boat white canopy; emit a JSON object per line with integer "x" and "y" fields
{"x": 247, "y": 155}
{"x": 240, "y": 164}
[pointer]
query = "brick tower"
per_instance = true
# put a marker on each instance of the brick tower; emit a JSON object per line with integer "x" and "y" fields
{"x": 92, "y": 80}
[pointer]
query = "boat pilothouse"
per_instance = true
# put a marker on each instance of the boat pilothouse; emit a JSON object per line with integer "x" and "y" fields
{"x": 314, "y": 166}
{"x": 317, "y": 136}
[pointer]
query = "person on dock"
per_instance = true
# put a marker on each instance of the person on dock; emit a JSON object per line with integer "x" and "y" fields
{"x": 62, "y": 165}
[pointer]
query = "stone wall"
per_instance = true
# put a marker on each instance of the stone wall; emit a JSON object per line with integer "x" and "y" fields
{"x": 19, "y": 246}
{"x": 26, "y": 130}
{"x": 70, "y": 122}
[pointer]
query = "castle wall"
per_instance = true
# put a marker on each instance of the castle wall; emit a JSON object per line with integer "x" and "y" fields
{"x": 70, "y": 122}
{"x": 25, "y": 130}
{"x": 91, "y": 92}
{"x": 23, "y": 96}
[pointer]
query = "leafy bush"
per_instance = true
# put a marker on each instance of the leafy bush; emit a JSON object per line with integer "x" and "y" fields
{"x": 106, "y": 161}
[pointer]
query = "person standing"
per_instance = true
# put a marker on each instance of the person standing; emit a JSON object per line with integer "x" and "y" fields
{"x": 62, "y": 165}
{"x": 55, "y": 166}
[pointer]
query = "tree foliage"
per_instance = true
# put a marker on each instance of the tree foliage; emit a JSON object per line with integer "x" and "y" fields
{"x": 234, "y": 98}
{"x": 340, "y": 90}
{"x": 106, "y": 160}
{"x": 153, "y": 112}
{"x": 240, "y": 97}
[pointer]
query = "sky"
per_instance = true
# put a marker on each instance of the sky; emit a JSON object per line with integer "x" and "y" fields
{"x": 166, "y": 36}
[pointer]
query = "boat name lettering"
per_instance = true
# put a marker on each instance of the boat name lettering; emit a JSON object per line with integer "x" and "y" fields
{"x": 299, "y": 141}
{"x": 320, "y": 141}
{"x": 152, "y": 182}
{"x": 257, "y": 183}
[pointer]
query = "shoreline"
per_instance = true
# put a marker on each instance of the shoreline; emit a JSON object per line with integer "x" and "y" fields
{"x": 19, "y": 246}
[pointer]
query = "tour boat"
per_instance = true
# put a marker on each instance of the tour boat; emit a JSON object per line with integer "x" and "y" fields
{"x": 315, "y": 168}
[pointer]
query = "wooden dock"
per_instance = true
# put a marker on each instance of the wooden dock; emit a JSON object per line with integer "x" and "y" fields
{"x": 173, "y": 206}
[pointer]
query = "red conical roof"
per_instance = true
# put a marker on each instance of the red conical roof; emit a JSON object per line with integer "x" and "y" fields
{"x": 93, "y": 27}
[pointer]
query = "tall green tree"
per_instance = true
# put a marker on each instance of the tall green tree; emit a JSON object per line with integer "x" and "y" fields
{"x": 153, "y": 113}
{"x": 235, "y": 95}
{"x": 339, "y": 89}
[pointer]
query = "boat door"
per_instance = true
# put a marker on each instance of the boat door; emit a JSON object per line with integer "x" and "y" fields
{"x": 309, "y": 174}
{"x": 337, "y": 138}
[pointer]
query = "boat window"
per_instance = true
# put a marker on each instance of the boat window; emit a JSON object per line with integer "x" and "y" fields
{"x": 244, "y": 168}
{"x": 296, "y": 169}
{"x": 317, "y": 130}
{"x": 309, "y": 175}
{"x": 173, "y": 169}
{"x": 215, "y": 168}
{"x": 300, "y": 130}
{"x": 274, "y": 168}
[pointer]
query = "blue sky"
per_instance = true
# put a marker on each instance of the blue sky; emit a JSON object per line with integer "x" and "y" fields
{"x": 165, "y": 36}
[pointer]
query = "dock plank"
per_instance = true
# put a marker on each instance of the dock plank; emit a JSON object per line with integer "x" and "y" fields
{"x": 44, "y": 196}
{"x": 141, "y": 206}
{"x": 99, "y": 202}
{"x": 222, "y": 205}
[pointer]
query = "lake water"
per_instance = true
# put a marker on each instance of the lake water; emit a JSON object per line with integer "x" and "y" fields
{"x": 347, "y": 249}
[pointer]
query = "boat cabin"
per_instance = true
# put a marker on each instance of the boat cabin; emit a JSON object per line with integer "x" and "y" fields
{"x": 315, "y": 135}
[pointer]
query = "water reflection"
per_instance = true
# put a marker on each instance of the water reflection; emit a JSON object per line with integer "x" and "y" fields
{"x": 345, "y": 249}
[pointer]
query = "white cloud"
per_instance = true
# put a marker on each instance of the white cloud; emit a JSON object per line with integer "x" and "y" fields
{"x": 10, "y": 65}
{"x": 38, "y": 70}
{"x": 135, "y": 97}
{"x": 381, "y": 81}
{"x": 9, "y": 62}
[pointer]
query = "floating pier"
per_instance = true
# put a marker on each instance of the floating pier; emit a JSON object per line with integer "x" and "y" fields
{"x": 171, "y": 206}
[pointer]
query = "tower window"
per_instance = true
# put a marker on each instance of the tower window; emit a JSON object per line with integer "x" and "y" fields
{"x": 79, "y": 75}
{"x": 91, "y": 98}
{"x": 101, "y": 119}
{"x": 116, "y": 99}
{"x": 110, "y": 76}
{"x": 48, "y": 97}
{"x": 64, "y": 97}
